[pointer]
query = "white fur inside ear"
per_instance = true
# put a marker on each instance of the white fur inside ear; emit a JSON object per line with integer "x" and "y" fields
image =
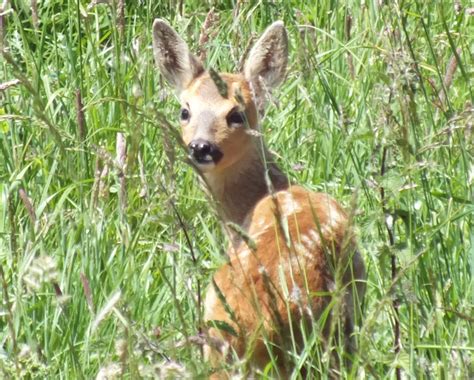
{"x": 172, "y": 55}
{"x": 268, "y": 59}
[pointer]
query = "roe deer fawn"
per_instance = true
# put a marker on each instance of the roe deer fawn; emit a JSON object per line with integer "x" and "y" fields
{"x": 293, "y": 250}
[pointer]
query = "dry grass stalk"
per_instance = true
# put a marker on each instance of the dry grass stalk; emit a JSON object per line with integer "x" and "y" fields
{"x": 96, "y": 185}
{"x": 105, "y": 311}
{"x": 34, "y": 14}
{"x": 9, "y": 319}
{"x": 206, "y": 33}
{"x": 437, "y": 101}
{"x": 121, "y": 152}
{"x": 450, "y": 70}
{"x": 100, "y": 174}
{"x": 236, "y": 11}
{"x": 13, "y": 227}
{"x": 448, "y": 77}
{"x": 10, "y": 83}
{"x": 144, "y": 184}
{"x": 28, "y": 205}
{"x": 110, "y": 371}
{"x": 469, "y": 113}
{"x": 43, "y": 270}
{"x": 393, "y": 262}
{"x": 103, "y": 189}
{"x": 87, "y": 292}
{"x": 81, "y": 122}
{"x": 121, "y": 18}
{"x": 93, "y": 3}
{"x": 347, "y": 31}
{"x": 457, "y": 7}
{"x": 105, "y": 156}
{"x": 3, "y": 12}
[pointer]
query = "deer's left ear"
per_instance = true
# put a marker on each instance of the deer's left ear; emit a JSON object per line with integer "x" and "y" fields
{"x": 268, "y": 59}
{"x": 177, "y": 64}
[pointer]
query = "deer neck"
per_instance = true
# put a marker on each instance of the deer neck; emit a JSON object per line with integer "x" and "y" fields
{"x": 238, "y": 188}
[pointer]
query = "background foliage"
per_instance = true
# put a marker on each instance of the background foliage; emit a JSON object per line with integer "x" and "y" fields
{"x": 106, "y": 239}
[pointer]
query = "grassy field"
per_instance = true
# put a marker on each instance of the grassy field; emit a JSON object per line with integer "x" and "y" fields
{"x": 107, "y": 241}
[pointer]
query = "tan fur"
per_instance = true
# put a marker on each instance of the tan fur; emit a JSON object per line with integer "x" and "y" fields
{"x": 210, "y": 109}
{"x": 298, "y": 244}
{"x": 241, "y": 147}
{"x": 274, "y": 287}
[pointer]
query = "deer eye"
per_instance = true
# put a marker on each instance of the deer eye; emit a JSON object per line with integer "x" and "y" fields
{"x": 184, "y": 114}
{"x": 236, "y": 117}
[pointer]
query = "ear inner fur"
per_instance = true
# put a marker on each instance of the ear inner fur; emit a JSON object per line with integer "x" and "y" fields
{"x": 177, "y": 64}
{"x": 268, "y": 58}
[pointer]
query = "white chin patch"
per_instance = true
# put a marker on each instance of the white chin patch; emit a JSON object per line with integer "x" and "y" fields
{"x": 205, "y": 167}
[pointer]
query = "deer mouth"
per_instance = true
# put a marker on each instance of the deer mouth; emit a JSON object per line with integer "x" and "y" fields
{"x": 204, "y": 153}
{"x": 213, "y": 158}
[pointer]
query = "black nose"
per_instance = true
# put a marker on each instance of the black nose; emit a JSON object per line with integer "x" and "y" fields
{"x": 200, "y": 148}
{"x": 204, "y": 152}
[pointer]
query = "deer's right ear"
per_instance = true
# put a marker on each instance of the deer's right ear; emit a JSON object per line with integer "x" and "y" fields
{"x": 266, "y": 65}
{"x": 177, "y": 64}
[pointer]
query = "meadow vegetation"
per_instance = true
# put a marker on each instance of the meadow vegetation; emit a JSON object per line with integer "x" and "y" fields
{"x": 107, "y": 241}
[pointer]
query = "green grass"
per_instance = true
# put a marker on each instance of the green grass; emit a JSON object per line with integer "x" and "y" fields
{"x": 93, "y": 275}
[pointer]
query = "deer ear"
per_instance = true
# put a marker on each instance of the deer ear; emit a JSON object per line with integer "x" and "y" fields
{"x": 266, "y": 65}
{"x": 177, "y": 64}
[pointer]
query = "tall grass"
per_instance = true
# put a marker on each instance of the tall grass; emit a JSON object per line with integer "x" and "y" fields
{"x": 107, "y": 241}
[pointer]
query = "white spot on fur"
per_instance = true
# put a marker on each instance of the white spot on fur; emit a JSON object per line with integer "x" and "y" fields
{"x": 298, "y": 263}
{"x": 210, "y": 302}
{"x": 244, "y": 253}
{"x": 261, "y": 223}
{"x": 289, "y": 205}
{"x": 303, "y": 251}
{"x": 331, "y": 285}
{"x": 311, "y": 242}
{"x": 261, "y": 226}
{"x": 335, "y": 218}
{"x": 295, "y": 262}
{"x": 296, "y": 295}
{"x": 243, "y": 257}
{"x": 324, "y": 231}
{"x": 315, "y": 236}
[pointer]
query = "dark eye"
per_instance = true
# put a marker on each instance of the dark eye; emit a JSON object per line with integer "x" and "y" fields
{"x": 236, "y": 117}
{"x": 184, "y": 115}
